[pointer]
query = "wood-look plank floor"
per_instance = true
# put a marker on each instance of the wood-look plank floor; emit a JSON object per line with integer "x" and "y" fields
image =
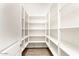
{"x": 37, "y": 52}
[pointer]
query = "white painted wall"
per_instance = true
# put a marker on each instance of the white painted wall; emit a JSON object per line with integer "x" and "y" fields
{"x": 37, "y": 9}
{"x": 10, "y": 24}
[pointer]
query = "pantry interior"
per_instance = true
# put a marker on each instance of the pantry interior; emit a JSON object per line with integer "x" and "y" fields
{"x": 39, "y": 25}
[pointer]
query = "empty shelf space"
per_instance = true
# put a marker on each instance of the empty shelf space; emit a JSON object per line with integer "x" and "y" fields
{"x": 6, "y": 43}
{"x": 54, "y": 34}
{"x": 52, "y": 50}
{"x": 37, "y": 22}
{"x": 52, "y": 39}
{"x": 23, "y": 46}
{"x": 36, "y": 26}
{"x": 37, "y": 38}
{"x": 36, "y": 33}
{"x": 69, "y": 49}
{"x": 63, "y": 53}
{"x": 47, "y": 40}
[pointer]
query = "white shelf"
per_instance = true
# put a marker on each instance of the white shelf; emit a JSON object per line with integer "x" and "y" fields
{"x": 24, "y": 37}
{"x": 37, "y": 29}
{"x": 4, "y": 44}
{"x": 26, "y": 44}
{"x": 22, "y": 48}
{"x": 62, "y": 53}
{"x": 24, "y": 29}
{"x": 37, "y": 35}
{"x": 53, "y": 40}
{"x": 53, "y": 52}
{"x": 69, "y": 49}
{"x": 38, "y": 26}
{"x": 40, "y": 21}
{"x": 53, "y": 28}
{"x": 69, "y": 27}
{"x": 37, "y": 22}
{"x": 36, "y": 41}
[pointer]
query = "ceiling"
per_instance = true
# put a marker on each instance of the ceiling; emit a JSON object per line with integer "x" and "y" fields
{"x": 37, "y": 9}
